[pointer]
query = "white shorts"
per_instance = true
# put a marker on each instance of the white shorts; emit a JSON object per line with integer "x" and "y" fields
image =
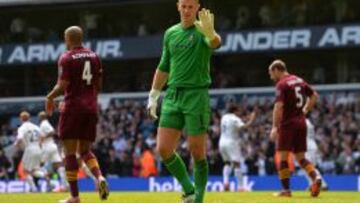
{"x": 32, "y": 158}
{"x": 312, "y": 155}
{"x": 230, "y": 151}
{"x": 51, "y": 153}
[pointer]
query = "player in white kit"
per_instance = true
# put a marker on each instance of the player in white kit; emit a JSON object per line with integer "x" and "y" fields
{"x": 29, "y": 138}
{"x": 312, "y": 153}
{"x": 51, "y": 153}
{"x": 229, "y": 144}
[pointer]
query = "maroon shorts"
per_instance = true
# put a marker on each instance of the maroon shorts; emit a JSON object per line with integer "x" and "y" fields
{"x": 78, "y": 126}
{"x": 292, "y": 136}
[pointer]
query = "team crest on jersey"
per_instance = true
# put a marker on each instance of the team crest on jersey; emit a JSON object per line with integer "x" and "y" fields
{"x": 191, "y": 38}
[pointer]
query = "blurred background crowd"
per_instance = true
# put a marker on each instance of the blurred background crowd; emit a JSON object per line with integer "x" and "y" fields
{"x": 127, "y": 138}
{"x": 107, "y": 20}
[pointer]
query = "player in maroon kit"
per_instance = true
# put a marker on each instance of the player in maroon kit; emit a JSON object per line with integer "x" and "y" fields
{"x": 80, "y": 77}
{"x": 294, "y": 99}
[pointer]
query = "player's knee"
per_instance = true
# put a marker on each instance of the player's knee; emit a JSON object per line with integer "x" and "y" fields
{"x": 39, "y": 174}
{"x": 86, "y": 155}
{"x": 69, "y": 151}
{"x": 198, "y": 153}
{"x": 226, "y": 162}
{"x": 236, "y": 164}
{"x": 303, "y": 162}
{"x": 299, "y": 157}
{"x": 196, "y": 146}
{"x": 84, "y": 147}
{"x": 164, "y": 151}
{"x": 57, "y": 165}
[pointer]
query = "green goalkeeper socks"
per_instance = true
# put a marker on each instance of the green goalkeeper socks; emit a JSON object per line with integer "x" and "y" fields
{"x": 201, "y": 171}
{"x": 177, "y": 168}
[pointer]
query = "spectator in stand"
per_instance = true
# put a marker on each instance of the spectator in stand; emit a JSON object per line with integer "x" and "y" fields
{"x": 242, "y": 17}
{"x": 148, "y": 163}
{"x": 266, "y": 15}
{"x": 18, "y": 30}
{"x": 113, "y": 164}
{"x": 4, "y": 166}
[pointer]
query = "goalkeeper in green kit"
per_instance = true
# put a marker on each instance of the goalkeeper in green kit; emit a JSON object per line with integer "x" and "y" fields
{"x": 184, "y": 67}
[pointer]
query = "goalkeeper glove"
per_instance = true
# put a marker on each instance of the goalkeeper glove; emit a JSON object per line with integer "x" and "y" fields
{"x": 205, "y": 24}
{"x": 152, "y": 103}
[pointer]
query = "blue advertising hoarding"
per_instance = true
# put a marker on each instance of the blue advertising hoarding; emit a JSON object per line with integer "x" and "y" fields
{"x": 262, "y": 40}
{"x": 167, "y": 184}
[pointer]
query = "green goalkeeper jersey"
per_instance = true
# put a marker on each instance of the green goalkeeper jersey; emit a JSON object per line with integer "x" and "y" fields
{"x": 186, "y": 57}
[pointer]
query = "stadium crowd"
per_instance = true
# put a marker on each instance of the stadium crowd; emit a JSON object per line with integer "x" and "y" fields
{"x": 127, "y": 138}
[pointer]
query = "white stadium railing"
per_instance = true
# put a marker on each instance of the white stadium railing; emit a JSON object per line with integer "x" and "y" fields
{"x": 106, "y": 97}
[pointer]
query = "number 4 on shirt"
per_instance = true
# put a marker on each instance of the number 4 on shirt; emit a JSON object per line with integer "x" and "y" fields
{"x": 86, "y": 75}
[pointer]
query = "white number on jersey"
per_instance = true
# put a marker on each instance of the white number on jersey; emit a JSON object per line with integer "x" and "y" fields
{"x": 86, "y": 75}
{"x": 33, "y": 135}
{"x": 299, "y": 96}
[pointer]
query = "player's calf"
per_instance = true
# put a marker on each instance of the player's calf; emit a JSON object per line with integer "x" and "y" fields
{"x": 284, "y": 175}
{"x": 91, "y": 162}
{"x": 309, "y": 168}
{"x": 72, "y": 168}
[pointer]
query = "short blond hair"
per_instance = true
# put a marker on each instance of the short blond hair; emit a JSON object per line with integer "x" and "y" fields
{"x": 279, "y": 65}
{"x": 24, "y": 116}
{"x": 75, "y": 34}
{"x": 42, "y": 115}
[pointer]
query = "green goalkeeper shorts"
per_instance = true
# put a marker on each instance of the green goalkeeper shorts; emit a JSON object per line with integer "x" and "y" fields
{"x": 187, "y": 108}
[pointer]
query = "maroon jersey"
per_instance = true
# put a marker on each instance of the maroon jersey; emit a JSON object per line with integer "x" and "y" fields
{"x": 293, "y": 91}
{"x": 82, "y": 68}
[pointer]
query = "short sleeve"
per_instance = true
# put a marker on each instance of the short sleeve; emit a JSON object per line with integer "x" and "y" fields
{"x": 280, "y": 93}
{"x": 239, "y": 123}
{"x": 309, "y": 91}
{"x": 46, "y": 128}
{"x": 164, "y": 64}
{"x": 63, "y": 69}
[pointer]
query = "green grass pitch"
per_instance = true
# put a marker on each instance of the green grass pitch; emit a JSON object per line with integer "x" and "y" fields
{"x": 170, "y": 197}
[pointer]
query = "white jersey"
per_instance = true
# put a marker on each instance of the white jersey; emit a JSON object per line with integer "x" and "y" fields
{"x": 29, "y": 133}
{"x": 46, "y": 128}
{"x": 230, "y": 127}
{"x": 312, "y": 153}
{"x": 310, "y": 137}
{"x": 50, "y": 150}
{"x": 229, "y": 144}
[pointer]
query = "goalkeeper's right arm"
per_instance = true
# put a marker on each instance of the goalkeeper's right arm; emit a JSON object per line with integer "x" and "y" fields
{"x": 159, "y": 82}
